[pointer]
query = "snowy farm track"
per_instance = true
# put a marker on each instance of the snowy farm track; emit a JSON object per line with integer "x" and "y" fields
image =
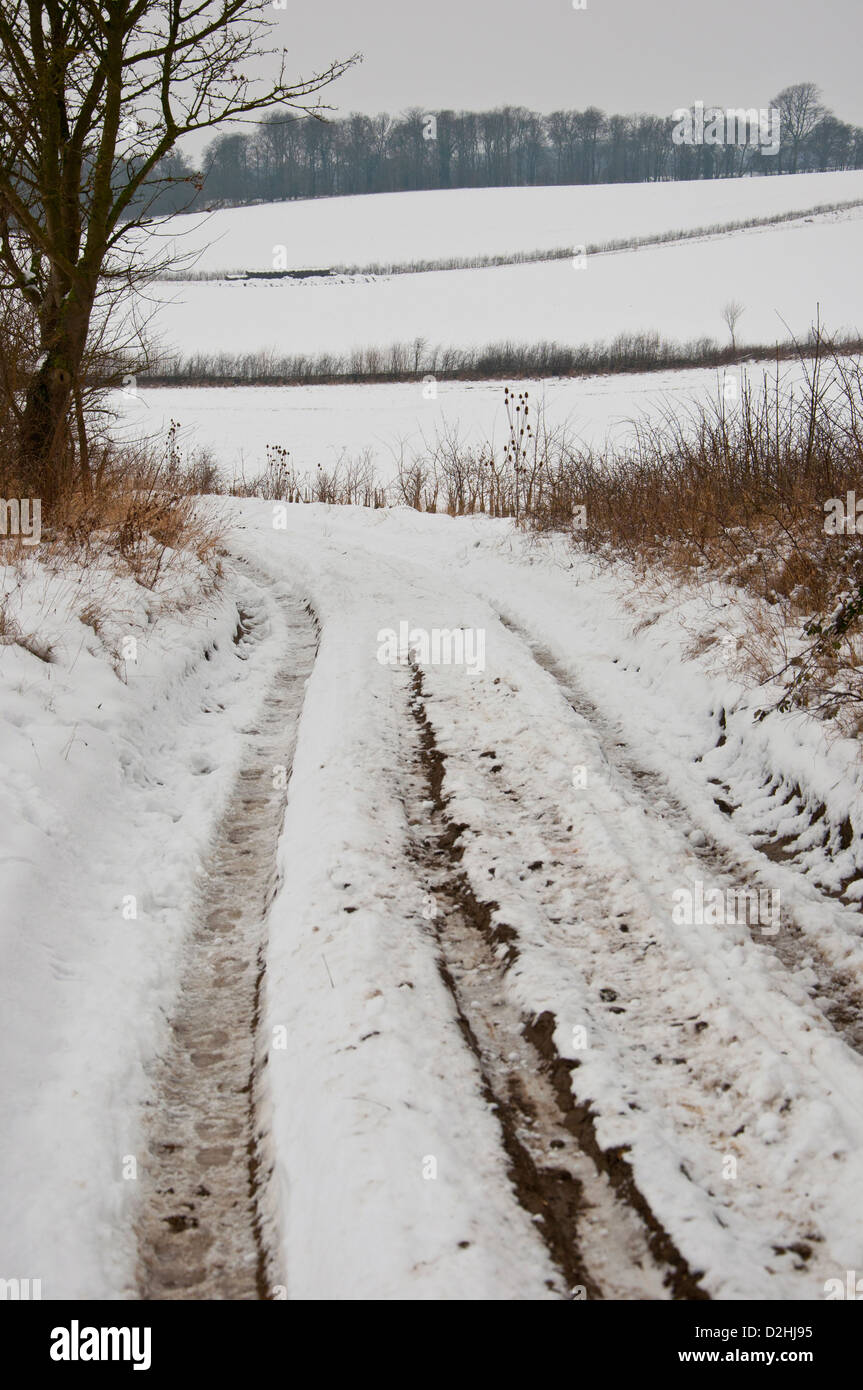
{"x": 508, "y": 1070}
{"x": 203, "y": 1229}
{"x": 650, "y": 1107}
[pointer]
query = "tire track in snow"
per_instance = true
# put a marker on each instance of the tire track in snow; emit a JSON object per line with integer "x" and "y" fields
{"x": 838, "y": 996}
{"x": 597, "y": 1226}
{"x": 205, "y": 1230}
{"x": 679, "y": 999}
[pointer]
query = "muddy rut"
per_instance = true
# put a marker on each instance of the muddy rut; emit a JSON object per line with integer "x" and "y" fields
{"x": 598, "y": 1229}
{"x": 204, "y": 1231}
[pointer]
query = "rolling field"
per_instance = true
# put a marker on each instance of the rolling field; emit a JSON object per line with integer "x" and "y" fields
{"x": 401, "y": 228}
{"x": 782, "y": 275}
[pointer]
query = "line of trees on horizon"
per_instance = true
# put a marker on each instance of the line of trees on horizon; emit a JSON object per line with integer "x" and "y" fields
{"x": 286, "y": 157}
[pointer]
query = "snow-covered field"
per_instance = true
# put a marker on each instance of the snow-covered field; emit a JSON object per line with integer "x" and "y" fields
{"x": 597, "y": 762}
{"x": 324, "y": 424}
{"x": 781, "y": 274}
{"x": 400, "y": 228}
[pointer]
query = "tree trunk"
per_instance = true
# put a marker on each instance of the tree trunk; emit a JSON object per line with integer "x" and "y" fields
{"x": 47, "y": 462}
{"x": 43, "y": 434}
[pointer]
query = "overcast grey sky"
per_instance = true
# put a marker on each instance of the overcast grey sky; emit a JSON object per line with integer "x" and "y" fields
{"x": 621, "y": 55}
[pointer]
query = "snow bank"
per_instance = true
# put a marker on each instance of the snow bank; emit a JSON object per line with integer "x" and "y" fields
{"x": 118, "y": 754}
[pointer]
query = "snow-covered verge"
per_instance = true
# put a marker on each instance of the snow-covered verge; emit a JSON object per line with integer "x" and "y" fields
{"x": 118, "y": 753}
{"x": 599, "y": 759}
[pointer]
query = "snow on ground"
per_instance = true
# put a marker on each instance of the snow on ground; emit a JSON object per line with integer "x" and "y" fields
{"x": 780, "y": 274}
{"x": 725, "y": 1063}
{"x": 119, "y": 753}
{"x": 764, "y": 1062}
{"x": 398, "y": 228}
{"x": 321, "y": 424}
{"x": 701, "y": 1043}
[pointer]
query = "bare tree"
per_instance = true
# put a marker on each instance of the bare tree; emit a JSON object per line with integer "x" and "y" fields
{"x": 731, "y": 314}
{"x": 800, "y": 110}
{"x": 560, "y": 128}
{"x": 93, "y": 95}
